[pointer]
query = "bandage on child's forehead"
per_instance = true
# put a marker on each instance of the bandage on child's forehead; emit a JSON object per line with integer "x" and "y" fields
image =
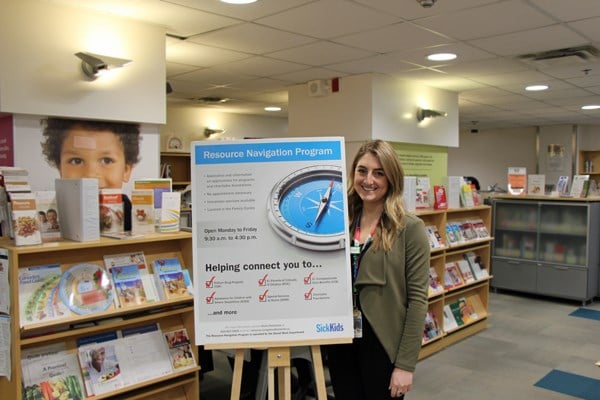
{"x": 84, "y": 142}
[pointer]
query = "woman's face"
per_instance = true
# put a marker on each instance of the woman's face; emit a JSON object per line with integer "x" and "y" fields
{"x": 370, "y": 182}
{"x": 94, "y": 154}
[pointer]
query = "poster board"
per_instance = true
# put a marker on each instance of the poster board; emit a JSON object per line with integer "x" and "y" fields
{"x": 269, "y": 267}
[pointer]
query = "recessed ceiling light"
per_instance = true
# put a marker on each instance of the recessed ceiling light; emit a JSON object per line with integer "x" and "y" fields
{"x": 238, "y": 1}
{"x": 272, "y": 108}
{"x": 591, "y": 107}
{"x": 536, "y": 88}
{"x": 441, "y": 57}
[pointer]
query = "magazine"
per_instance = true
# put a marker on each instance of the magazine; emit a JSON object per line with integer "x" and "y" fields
{"x": 39, "y": 299}
{"x": 180, "y": 352}
{"x": 52, "y": 376}
{"x": 129, "y": 286}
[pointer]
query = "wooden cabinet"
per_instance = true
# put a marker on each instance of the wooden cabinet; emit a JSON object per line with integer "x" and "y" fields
{"x": 478, "y": 290}
{"x": 547, "y": 246}
{"x": 169, "y": 314}
{"x": 176, "y": 165}
{"x": 589, "y": 164}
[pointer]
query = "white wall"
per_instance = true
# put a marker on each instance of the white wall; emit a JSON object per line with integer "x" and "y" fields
{"x": 188, "y": 123}
{"x": 28, "y": 153}
{"x": 488, "y": 154}
{"x": 40, "y": 75}
{"x": 375, "y": 107}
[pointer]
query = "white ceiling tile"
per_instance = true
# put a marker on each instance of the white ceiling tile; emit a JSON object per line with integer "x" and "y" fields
{"x": 584, "y": 81}
{"x": 176, "y": 69}
{"x": 251, "y": 38}
{"x": 309, "y": 74}
{"x": 500, "y": 80}
{"x": 412, "y": 10}
{"x": 493, "y": 19}
{"x": 587, "y": 27}
{"x": 399, "y": 36}
{"x": 381, "y": 63}
{"x": 246, "y": 12}
{"x": 319, "y": 54}
{"x": 569, "y": 10}
{"x": 575, "y": 70}
{"x": 328, "y": 19}
{"x": 261, "y": 66}
{"x": 535, "y": 40}
{"x": 464, "y": 52}
{"x": 199, "y": 55}
{"x": 472, "y": 68}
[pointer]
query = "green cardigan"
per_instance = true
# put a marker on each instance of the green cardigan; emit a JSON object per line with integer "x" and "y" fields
{"x": 393, "y": 293}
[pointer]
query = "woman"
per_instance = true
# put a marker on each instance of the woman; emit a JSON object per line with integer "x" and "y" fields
{"x": 390, "y": 257}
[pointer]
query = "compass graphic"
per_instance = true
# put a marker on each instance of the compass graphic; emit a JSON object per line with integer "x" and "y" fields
{"x": 306, "y": 208}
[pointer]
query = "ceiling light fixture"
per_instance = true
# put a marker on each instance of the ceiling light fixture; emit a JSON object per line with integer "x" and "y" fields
{"x": 94, "y": 65}
{"x": 272, "y": 108}
{"x": 441, "y": 57}
{"x": 536, "y": 88}
{"x": 423, "y": 113}
{"x": 591, "y": 107}
{"x": 209, "y": 132}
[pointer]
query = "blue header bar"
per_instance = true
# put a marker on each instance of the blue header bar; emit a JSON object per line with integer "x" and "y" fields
{"x": 235, "y": 153}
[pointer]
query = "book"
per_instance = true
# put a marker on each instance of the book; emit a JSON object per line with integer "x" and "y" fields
{"x": 480, "y": 228}
{"x": 47, "y": 210}
{"x": 455, "y": 308}
{"x": 467, "y": 310}
{"x": 129, "y": 286}
{"x": 26, "y": 226}
{"x": 536, "y": 185}
{"x": 452, "y": 276}
{"x": 431, "y": 329}
{"x": 422, "y": 189}
{"x": 435, "y": 286}
{"x": 434, "y": 237}
{"x": 112, "y": 215}
{"x": 579, "y": 186}
{"x": 517, "y": 180}
{"x": 180, "y": 351}
{"x": 467, "y": 231}
{"x": 78, "y": 205}
{"x": 39, "y": 299}
{"x": 562, "y": 185}
{"x": 466, "y": 195}
{"x": 448, "y": 319}
{"x": 170, "y": 214}
{"x": 479, "y": 271}
{"x": 465, "y": 270}
{"x": 54, "y": 376}
{"x": 142, "y": 211}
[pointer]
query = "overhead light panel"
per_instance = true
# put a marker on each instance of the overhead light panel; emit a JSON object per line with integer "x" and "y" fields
{"x": 441, "y": 57}
{"x": 536, "y": 88}
{"x": 93, "y": 65}
{"x": 238, "y": 1}
{"x": 591, "y": 107}
{"x": 272, "y": 108}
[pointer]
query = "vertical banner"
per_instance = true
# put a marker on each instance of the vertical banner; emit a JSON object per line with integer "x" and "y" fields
{"x": 270, "y": 233}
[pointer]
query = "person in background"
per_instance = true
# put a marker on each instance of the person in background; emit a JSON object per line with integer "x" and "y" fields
{"x": 390, "y": 270}
{"x": 104, "y": 150}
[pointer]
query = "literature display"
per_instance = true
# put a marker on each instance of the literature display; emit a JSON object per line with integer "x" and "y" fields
{"x": 547, "y": 246}
{"x": 452, "y": 277}
{"x": 432, "y": 329}
{"x": 137, "y": 359}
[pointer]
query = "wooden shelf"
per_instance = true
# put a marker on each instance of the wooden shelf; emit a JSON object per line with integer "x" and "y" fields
{"x": 479, "y": 289}
{"x": 170, "y": 314}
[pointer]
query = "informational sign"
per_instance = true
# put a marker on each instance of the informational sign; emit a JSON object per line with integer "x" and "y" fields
{"x": 270, "y": 234}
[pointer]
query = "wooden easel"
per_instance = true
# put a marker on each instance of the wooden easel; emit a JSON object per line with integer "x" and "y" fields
{"x": 279, "y": 357}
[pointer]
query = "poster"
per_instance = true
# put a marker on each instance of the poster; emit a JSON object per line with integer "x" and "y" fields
{"x": 270, "y": 231}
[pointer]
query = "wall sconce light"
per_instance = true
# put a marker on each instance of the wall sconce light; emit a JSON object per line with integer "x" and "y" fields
{"x": 423, "y": 113}
{"x": 208, "y": 132}
{"x": 94, "y": 65}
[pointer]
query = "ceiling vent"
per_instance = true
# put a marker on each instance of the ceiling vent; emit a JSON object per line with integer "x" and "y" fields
{"x": 562, "y": 57}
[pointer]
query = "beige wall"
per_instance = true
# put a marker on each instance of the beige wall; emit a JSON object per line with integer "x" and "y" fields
{"x": 40, "y": 75}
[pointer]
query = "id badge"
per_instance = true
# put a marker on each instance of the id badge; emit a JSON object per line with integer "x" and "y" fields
{"x": 354, "y": 249}
{"x": 357, "y": 324}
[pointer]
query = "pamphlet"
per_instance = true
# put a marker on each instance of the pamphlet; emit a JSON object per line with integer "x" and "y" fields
{"x": 517, "y": 180}
{"x": 536, "y": 185}
{"x": 180, "y": 351}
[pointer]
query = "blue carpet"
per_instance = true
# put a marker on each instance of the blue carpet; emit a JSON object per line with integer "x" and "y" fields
{"x": 574, "y": 385}
{"x": 586, "y": 313}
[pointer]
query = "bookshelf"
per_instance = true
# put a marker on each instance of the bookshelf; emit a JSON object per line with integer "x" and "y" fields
{"x": 547, "y": 246}
{"x": 169, "y": 314}
{"x": 477, "y": 290}
{"x": 179, "y": 166}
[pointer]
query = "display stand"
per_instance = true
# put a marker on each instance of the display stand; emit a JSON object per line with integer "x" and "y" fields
{"x": 279, "y": 357}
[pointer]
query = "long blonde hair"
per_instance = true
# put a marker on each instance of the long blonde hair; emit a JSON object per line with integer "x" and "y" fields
{"x": 392, "y": 218}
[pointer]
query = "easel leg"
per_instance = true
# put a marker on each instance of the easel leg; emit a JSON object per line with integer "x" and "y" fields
{"x": 279, "y": 357}
{"x": 236, "y": 384}
{"x": 319, "y": 372}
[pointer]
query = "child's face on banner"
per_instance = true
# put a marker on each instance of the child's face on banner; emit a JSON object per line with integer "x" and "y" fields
{"x": 94, "y": 154}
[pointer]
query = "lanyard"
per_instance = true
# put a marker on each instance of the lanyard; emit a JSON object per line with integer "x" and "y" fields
{"x": 358, "y": 250}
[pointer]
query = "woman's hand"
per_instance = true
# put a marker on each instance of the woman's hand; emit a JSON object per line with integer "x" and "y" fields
{"x": 400, "y": 382}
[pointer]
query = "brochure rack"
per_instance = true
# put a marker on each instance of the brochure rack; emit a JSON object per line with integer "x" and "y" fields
{"x": 477, "y": 290}
{"x": 169, "y": 314}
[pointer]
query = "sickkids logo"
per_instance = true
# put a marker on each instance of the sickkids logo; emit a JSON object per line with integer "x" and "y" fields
{"x": 330, "y": 327}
